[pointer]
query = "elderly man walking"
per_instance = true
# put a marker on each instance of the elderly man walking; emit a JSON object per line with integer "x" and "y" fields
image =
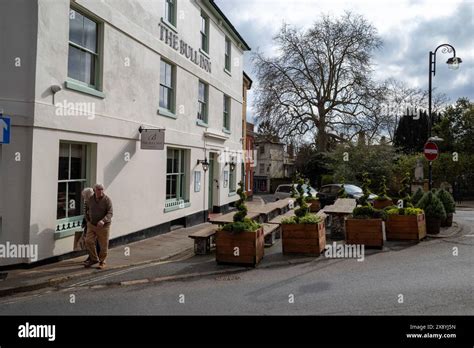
{"x": 99, "y": 213}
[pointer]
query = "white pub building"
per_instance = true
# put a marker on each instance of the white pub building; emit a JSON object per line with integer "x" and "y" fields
{"x": 143, "y": 96}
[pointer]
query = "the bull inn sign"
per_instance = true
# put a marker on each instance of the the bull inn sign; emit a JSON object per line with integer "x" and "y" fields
{"x": 172, "y": 39}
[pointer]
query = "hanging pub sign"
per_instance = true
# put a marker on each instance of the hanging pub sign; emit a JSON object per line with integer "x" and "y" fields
{"x": 152, "y": 139}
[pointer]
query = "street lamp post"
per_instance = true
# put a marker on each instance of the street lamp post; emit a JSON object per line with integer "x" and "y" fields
{"x": 453, "y": 63}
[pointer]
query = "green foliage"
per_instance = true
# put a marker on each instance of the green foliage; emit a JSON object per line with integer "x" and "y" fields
{"x": 312, "y": 164}
{"x": 302, "y": 215}
{"x": 382, "y": 196}
{"x": 411, "y": 133}
{"x": 240, "y": 204}
{"x": 309, "y": 219}
{"x": 241, "y": 222}
{"x": 247, "y": 225}
{"x": 448, "y": 202}
{"x": 327, "y": 179}
{"x": 405, "y": 189}
{"x": 417, "y": 195}
{"x": 456, "y": 127}
{"x": 365, "y": 188}
{"x": 342, "y": 191}
{"x": 309, "y": 194}
{"x": 303, "y": 208}
{"x": 404, "y": 211}
{"x": 376, "y": 160}
{"x": 432, "y": 206}
{"x": 368, "y": 212}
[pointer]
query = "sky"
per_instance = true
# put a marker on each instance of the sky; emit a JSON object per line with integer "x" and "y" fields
{"x": 409, "y": 29}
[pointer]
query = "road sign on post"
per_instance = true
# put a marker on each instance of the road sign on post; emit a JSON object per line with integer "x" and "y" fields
{"x": 4, "y": 130}
{"x": 431, "y": 151}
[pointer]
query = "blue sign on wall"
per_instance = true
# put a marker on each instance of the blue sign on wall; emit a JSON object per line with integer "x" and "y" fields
{"x": 4, "y": 130}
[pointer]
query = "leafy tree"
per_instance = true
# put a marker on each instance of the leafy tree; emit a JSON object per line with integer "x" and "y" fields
{"x": 456, "y": 127}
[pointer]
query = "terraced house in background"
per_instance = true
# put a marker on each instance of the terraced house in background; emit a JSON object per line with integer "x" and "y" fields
{"x": 83, "y": 82}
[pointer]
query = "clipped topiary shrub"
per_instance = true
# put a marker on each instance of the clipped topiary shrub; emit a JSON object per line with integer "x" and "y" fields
{"x": 432, "y": 206}
{"x": 417, "y": 196}
{"x": 382, "y": 196}
{"x": 241, "y": 222}
{"x": 447, "y": 200}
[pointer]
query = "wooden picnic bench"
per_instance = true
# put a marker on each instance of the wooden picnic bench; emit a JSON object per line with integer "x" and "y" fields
{"x": 203, "y": 239}
{"x": 229, "y": 217}
{"x": 338, "y": 212}
{"x": 266, "y": 211}
{"x": 284, "y": 205}
{"x": 270, "y": 232}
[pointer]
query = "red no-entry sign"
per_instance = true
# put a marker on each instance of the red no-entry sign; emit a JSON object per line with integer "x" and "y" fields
{"x": 431, "y": 151}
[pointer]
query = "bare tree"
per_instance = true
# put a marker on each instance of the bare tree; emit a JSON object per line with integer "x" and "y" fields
{"x": 400, "y": 100}
{"x": 321, "y": 80}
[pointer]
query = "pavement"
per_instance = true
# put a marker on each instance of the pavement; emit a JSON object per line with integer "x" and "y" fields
{"x": 165, "y": 253}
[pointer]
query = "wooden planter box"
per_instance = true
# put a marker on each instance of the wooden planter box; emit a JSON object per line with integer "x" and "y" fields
{"x": 307, "y": 239}
{"x": 250, "y": 244}
{"x": 382, "y": 204}
{"x": 406, "y": 227}
{"x": 364, "y": 231}
{"x": 315, "y": 205}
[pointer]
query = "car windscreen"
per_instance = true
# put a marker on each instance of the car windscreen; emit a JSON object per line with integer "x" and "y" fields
{"x": 285, "y": 189}
{"x": 352, "y": 189}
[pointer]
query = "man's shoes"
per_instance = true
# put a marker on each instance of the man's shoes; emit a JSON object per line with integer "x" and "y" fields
{"x": 87, "y": 261}
{"x": 101, "y": 265}
{"x": 90, "y": 264}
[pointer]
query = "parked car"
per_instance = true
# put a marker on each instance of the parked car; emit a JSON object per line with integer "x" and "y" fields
{"x": 328, "y": 193}
{"x": 284, "y": 191}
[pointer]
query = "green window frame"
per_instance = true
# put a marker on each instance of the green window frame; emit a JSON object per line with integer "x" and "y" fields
{"x": 228, "y": 54}
{"x": 167, "y": 81}
{"x": 170, "y": 11}
{"x": 83, "y": 53}
{"x": 73, "y": 177}
{"x": 226, "y": 113}
{"x": 203, "y": 98}
{"x": 204, "y": 32}
{"x": 176, "y": 177}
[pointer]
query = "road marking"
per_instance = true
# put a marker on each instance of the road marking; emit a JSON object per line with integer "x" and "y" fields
{"x": 469, "y": 235}
{"x": 109, "y": 275}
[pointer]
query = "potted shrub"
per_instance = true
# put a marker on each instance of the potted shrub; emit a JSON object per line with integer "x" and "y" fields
{"x": 342, "y": 191}
{"x": 417, "y": 196}
{"x": 405, "y": 224}
{"x": 382, "y": 200}
{"x": 304, "y": 233}
{"x": 405, "y": 190}
{"x": 364, "y": 226}
{"x": 242, "y": 241}
{"x": 313, "y": 200}
{"x": 449, "y": 206}
{"x": 434, "y": 212}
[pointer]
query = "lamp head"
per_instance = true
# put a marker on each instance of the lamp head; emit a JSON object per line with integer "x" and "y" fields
{"x": 205, "y": 164}
{"x": 453, "y": 63}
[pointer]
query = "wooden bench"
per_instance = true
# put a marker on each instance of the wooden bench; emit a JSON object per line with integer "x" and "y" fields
{"x": 229, "y": 217}
{"x": 270, "y": 232}
{"x": 267, "y": 211}
{"x": 284, "y": 205}
{"x": 338, "y": 212}
{"x": 203, "y": 239}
